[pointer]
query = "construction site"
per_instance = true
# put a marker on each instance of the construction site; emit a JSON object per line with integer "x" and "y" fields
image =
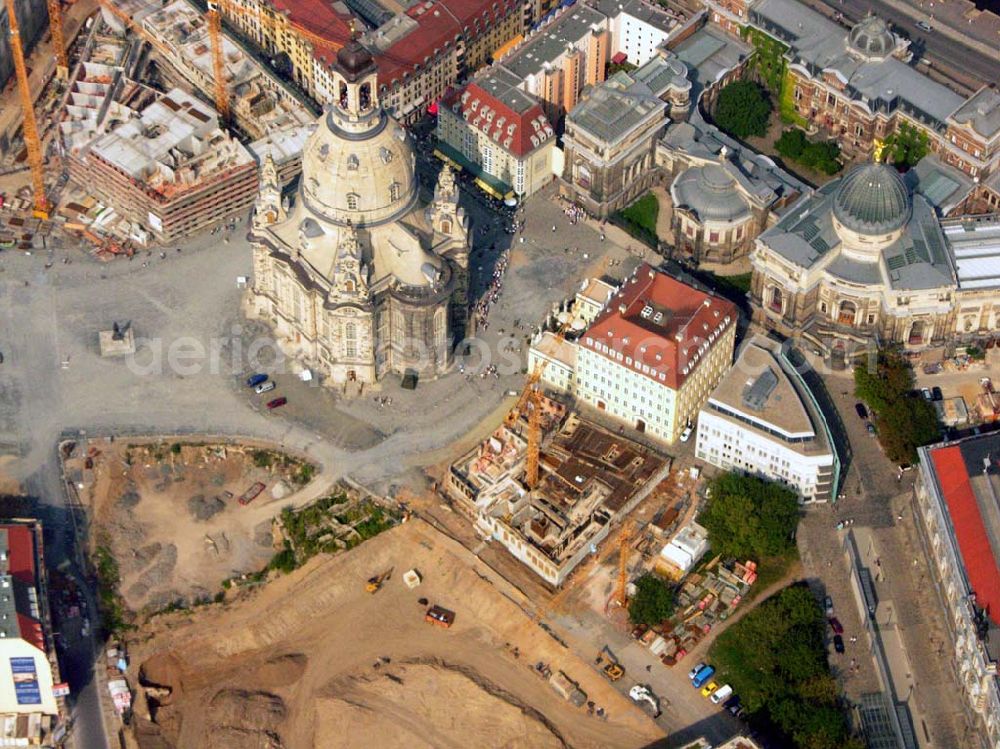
{"x": 120, "y": 151}
{"x": 443, "y": 655}
{"x": 178, "y": 519}
{"x": 549, "y": 485}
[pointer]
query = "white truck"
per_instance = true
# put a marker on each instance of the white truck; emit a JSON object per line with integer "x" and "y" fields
{"x": 643, "y": 695}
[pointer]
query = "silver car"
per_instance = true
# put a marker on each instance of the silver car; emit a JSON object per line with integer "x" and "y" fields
{"x": 264, "y": 387}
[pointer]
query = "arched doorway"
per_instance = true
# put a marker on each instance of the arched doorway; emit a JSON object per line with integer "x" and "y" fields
{"x": 777, "y": 300}
{"x": 916, "y": 336}
{"x": 847, "y": 312}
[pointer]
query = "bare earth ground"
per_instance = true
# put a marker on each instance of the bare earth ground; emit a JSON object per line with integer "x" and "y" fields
{"x": 168, "y": 522}
{"x": 312, "y": 660}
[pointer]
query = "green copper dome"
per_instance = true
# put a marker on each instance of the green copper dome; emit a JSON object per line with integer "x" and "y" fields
{"x": 872, "y": 199}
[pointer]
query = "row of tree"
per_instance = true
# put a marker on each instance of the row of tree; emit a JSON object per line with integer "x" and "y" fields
{"x": 775, "y": 660}
{"x": 904, "y": 420}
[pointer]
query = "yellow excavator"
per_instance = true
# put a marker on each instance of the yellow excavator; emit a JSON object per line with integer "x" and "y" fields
{"x": 375, "y": 583}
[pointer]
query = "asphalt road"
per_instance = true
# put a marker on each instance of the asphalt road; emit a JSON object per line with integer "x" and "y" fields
{"x": 940, "y": 49}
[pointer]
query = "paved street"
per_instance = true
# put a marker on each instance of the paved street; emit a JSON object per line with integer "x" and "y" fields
{"x": 876, "y": 499}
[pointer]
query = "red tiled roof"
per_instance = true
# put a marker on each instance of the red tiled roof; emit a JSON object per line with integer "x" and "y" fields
{"x": 317, "y": 16}
{"x": 436, "y": 26}
{"x": 31, "y": 630}
{"x": 439, "y": 22}
{"x": 511, "y": 130}
{"x": 660, "y": 324}
{"x": 973, "y": 542}
{"x": 20, "y": 553}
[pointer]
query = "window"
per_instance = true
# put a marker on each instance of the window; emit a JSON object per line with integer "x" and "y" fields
{"x": 350, "y": 340}
{"x": 713, "y": 237}
{"x": 352, "y": 202}
{"x": 488, "y": 160}
{"x": 394, "y": 192}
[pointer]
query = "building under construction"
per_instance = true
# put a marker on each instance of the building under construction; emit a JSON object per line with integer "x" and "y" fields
{"x": 589, "y": 479}
{"x": 171, "y": 170}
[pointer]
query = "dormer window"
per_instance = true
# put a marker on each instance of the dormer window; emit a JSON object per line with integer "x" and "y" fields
{"x": 352, "y": 163}
{"x": 352, "y": 201}
{"x": 394, "y": 192}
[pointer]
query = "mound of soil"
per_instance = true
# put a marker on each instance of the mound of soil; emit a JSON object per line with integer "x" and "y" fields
{"x": 203, "y": 508}
{"x": 427, "y": 705}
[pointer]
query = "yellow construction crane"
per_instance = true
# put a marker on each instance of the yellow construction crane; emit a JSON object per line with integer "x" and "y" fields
{"x": 32, "y": 141}
{"x": 531, "y": 399}
{"x": 58, "y": 40}
{"x": 214, "y": 18}
{"x": 621, "y": 593}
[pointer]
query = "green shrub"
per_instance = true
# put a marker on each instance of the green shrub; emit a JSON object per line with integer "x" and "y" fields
{"x": 743, "y": 109}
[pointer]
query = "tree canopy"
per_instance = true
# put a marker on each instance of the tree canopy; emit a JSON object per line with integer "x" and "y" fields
{"x": 775, "y": 660}
{"x": 907, "y": 145}
{"x": 750, "y": 518}
{"x": 823, "y": 156}
{"x": 653, "y": 601}
{"x": 742, "y": 109}
{"x": 905, "y": 421}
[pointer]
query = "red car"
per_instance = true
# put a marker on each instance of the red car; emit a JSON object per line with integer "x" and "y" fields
{"x": 277, "y": 402}
{"x": 836, "y": 626}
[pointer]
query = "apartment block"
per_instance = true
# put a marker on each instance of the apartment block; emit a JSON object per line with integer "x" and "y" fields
{"x": 762, "y": 419}
{"x": 170, "y": 170}
{"x": 499, "y": 133}
{"x": 955, "y": 499}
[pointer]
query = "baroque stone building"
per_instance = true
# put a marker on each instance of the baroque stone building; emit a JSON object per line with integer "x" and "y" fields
{"x": 357, "y": 276}
{"x": 862, "y": 260}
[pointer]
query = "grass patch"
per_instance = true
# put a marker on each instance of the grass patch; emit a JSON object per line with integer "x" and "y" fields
{"x": 639, "y": 219}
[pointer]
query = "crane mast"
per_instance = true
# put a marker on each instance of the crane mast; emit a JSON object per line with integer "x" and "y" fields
{"x": 32, "y": 142}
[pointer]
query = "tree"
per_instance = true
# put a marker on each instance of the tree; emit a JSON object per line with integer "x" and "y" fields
{"x": 742, "y": 109}
{"x": 653, "y": 601}
{"x": 775, "y": 659}
{"x": 823, "y": 156}
{"x": 907, "y": 145}
{"x": 750, "y": 518}
{"x": 905, "y": 421}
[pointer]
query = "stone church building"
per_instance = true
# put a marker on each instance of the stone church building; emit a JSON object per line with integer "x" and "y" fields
{"x": 359, "y": 277}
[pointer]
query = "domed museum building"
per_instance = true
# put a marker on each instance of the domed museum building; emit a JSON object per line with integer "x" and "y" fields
{"x": 359, "y": 277}
{"x": 863, "y": 260}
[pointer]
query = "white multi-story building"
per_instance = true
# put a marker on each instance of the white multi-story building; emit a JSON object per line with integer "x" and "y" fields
{"x": 956, "y": 498}
{"x": 762, "y": 419}
{"x": 655, "y": 352}
{"x": 638, "y": 27}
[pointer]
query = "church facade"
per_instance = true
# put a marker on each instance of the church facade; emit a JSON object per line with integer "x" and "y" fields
{"x": 862, "y": 260}
{"x": 358, "y": 277}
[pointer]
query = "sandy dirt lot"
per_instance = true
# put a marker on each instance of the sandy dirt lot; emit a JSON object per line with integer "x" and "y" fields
{"x": 172, "y": 520}
{"x": 312, "y": 660}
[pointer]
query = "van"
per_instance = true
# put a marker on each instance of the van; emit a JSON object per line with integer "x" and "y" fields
{"x": 704, "y": 675}
{"x": 721, "y": 694}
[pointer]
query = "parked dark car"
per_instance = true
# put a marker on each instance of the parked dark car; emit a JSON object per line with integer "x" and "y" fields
{"x": 836, "y": 626}
{"x": 838, "y": 643}
{"x": 255, "y": 379}
{"x": 277, "y": 402}
{"x": 862, "y": 411}
{"x": 936, "y": 392}
{"x": 733, "y": 704}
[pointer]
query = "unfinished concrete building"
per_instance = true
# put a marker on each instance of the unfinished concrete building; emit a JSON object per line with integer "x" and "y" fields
{"x": 589, "y": 479}
{"x": 171, "y": 170}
